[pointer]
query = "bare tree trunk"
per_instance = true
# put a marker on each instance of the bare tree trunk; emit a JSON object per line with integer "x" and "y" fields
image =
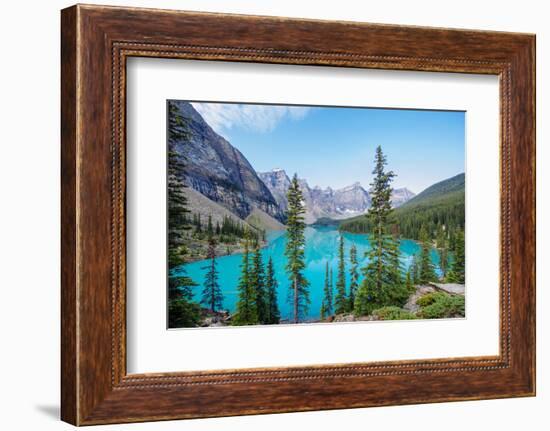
{"x": 295, "y": 299}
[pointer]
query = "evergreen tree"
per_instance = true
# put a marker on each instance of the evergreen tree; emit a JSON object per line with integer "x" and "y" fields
{"x": 199, "y": 223}
{"x": 409, "y": 282}
{"x": 457, "y": 273}
{"x": 212, "y": 296}
{"x": 326, "y": 304}
{"x": 452, "y": 239}
{"x": 442, "y": 245}
{"x": 331, "y": 283}
{"x": 257, "y": 284}
{"x": 427, "y": 268}
{"x": 294, "y": 251}
{"x": 210, "y": 227}
{"x": 382, "y": 284}
{"x": 398, "y": 294}
{"x": 177, "y": 201}
{"x": 443, "y": 261}
{"x": 415, "y": 270}
{"x": 354, "y": 276}
{"x": 341, "y": 303}
{"x": 182, "y": 311}
{"x": 180, "y": 285}
{"x": 273, "y": 314}
{"x": 246, "y": 313}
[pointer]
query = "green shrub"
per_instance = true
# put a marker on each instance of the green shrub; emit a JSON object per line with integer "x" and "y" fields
{"x": 183, "y": 313}
{"x": 430, "y": 298}
{"x": 440, "y": 305}
{"x": 393, "y": 313}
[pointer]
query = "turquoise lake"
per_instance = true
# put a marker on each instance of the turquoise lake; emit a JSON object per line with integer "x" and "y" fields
{"x": 321, "y": 247}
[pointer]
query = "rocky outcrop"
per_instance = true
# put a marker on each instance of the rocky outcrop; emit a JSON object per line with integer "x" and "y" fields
{"x": 450, "y": 288}
{"x": 219, "y": 171}
{"x": 420, "y": 291}
{"x": 277, "y": 182}
{"x": 213, "y": 319}
{"x": 424, "y": 289}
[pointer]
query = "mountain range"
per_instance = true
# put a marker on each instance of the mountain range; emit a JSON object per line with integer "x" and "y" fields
{"x": 222, "y": 174}
{"x": 326, "y": 203}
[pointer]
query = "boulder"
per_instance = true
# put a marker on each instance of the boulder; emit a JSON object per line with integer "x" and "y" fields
{"x": 421, "y": 290}
{"x": 451, "y": 288}
{"x": 218, "y": 318}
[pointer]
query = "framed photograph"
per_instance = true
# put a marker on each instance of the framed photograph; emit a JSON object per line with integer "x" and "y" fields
{"x": 324, "y": 214}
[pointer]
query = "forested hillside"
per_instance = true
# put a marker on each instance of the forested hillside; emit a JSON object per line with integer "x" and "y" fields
{"x": 440, "y": 206}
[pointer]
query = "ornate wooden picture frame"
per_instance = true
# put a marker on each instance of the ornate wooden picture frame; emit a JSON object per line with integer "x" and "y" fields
{"x": 96, "y": 41}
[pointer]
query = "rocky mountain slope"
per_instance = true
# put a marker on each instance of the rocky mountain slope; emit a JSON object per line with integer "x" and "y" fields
{"x": 326, "y": 203}
{"x": 277, "y": 182}
{"x": 262, "y": 221}
{"x": 219, "y": 171}
{"x": 447, "y": 190}
{"x": 200, "y": 205}
{"x": 400, "y": 196}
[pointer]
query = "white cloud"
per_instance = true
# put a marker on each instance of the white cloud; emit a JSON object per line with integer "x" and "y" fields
{"x": 261, "y": 118}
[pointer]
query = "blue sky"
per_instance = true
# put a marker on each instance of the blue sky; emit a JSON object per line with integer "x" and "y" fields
{"x": 335, "y": 146}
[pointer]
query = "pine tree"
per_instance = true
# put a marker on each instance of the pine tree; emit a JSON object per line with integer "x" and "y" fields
{"x": 182, "y": 311}
{"x": 210, "y": 227}
{"x": 273, "y": 315}
{"x": 427, "y": 268}
{"x": 199, "y": 223}
{"x": 177, "y": 202}
{"x": 443, "y": 261}
{"x": 212, "y": 296}
{"x": 257, "y": 284}
{"x": 341, "y": 301}
{"x": 442, "y": 245}
{"x": 246, "y": 313}
{"x": 415, "y": 270}
{"x": 452, "y": 239}
{"x": 398, "y": 294}
{"x": 294, "y": 251}
{"x": 457, "y": 273}
{"x": 331, "y": 284}
{"x": 326, "y": 304}
{"x": 409, "y": 282}
{"x": 460, "y": 259}
{"x": 354, "y": 276}
{"x": 382, "y": 284}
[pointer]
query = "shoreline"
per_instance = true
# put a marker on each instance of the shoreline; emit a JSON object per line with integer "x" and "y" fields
{"x": 221, "y": 248}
